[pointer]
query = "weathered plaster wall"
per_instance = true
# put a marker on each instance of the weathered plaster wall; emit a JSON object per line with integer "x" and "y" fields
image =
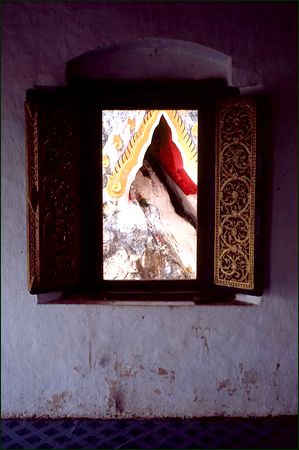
{"x": 104, "y": 361}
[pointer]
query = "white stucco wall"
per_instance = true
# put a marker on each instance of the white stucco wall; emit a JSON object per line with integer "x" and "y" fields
{"x": 150, "y": 361}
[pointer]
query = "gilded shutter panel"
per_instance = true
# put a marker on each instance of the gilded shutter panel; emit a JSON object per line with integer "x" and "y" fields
{"x": 235, "y": 191}
{"x": 53, "y": 215}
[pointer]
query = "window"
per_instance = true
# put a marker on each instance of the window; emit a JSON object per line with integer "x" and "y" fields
{"x": 150, "y": 166}
{"x": 105, "y": 156}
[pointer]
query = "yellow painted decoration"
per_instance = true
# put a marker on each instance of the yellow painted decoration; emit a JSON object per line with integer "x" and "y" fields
{"x": 105, "y": 161}
{"x": 185, "y": 140}
{"x": 115, "y": 186}
{"x": 131, "y": 124}
{"x": 130, "y": 157}
{"x": 194, "y": 130}
{"x": 117, "y": 142}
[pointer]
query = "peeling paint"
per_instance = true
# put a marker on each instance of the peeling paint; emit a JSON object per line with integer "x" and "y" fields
{"x": 157, "y": 391}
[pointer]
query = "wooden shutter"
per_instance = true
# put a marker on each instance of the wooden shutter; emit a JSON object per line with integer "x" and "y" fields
{"x": 236, "y": 209}
{"x": 53, "y": 206}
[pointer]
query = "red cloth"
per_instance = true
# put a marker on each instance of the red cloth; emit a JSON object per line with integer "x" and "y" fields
{"x": 171, "y": 159}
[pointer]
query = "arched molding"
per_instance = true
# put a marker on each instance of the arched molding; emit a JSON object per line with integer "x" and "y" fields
{"x": 151, "y": 58}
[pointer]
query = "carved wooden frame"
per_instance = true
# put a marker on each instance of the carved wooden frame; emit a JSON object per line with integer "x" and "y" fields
{"x": 32, "y": 195}
{"x": 235, "y": 193}
{"x": 52, "y": 195}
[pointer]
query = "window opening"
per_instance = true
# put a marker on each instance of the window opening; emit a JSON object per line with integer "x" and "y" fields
{"x": 150, "y": 179}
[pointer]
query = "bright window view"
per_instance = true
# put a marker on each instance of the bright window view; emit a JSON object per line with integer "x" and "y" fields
{"x": 149, "y": 194}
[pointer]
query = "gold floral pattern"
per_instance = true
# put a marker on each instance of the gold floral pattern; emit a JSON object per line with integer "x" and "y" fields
{"x": 235, "y": 193}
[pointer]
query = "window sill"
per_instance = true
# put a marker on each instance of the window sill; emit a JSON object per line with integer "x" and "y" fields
{"x": 146, "y": 299}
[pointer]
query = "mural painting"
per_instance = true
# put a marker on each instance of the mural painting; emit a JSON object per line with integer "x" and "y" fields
{"x": 150, "y": 174}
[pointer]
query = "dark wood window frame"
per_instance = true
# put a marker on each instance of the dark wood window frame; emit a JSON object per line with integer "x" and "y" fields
{"x": 63, "y": 142}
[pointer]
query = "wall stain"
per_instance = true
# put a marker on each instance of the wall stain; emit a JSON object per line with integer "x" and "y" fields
{"x": 79, "y": 370}
{"x": 124, "y": 370}
{"x": 205, "y": 343}
{"x": 89, "y": 355}
{"x": 201, "y": 330}
{"x": 112, "y": 391}
{"x": 228, "y": 386}
{"x": 231, "y": 390}
{"x": 117, "y": 395}
{"x": 157, "y": 391}
{"x": 58, "y": 400}
{"x": 104, "y": 361}
{"x": 223, "y": 384}
{"x": 120, "y": 401}
{"x": 162, "y": 371}
{"x": 250, "y": 376}
{"x": 275, "y": 384}
{"x": 203, "y": 333}
{"x": 172, "y": 377}
{"x": 248, "y": 379}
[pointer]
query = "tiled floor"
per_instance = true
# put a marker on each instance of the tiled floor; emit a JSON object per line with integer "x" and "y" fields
{"x": 205, "y": 433}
